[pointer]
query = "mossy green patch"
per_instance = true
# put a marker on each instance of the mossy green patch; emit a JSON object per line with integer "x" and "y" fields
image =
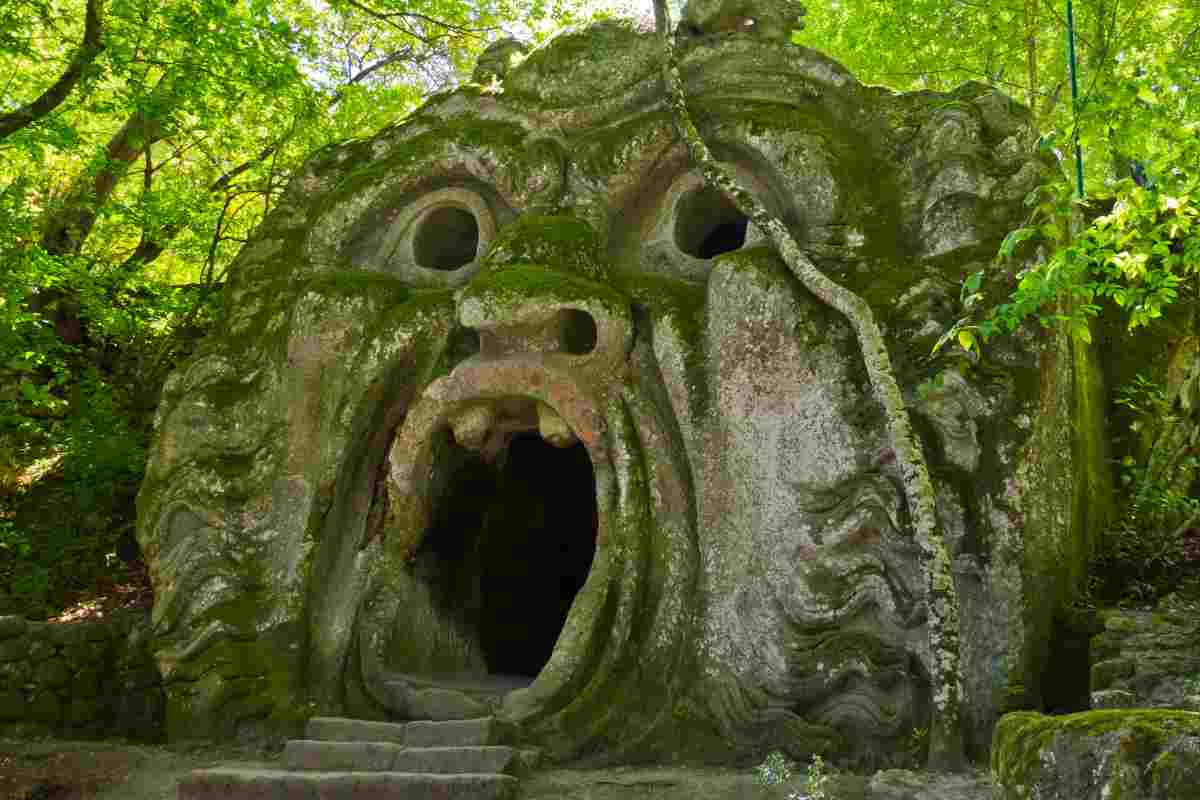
{"x": 1021, "y": 738}
{"x": 380, "y": 287}
{"x": 869, "y": 198}
{"x": 437, "y": 138}
{"x": 520, "y": 282}
{"x": 562, "y": 242}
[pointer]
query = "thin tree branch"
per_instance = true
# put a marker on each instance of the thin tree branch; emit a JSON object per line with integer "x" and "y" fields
{"x": 366, "y": 72}
{"x": 91, "y": 47}
{"x": 396, "y": 18}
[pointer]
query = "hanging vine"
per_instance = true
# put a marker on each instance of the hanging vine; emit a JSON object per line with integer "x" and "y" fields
{"x": 945, "y": 741}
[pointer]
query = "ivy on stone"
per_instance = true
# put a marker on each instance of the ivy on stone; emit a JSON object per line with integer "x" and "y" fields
{"x": 946, "y": 743}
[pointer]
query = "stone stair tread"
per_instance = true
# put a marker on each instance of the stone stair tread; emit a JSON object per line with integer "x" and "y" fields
{"x": 346, "y": 729}
{"x": 282, "y": 784}
{"x": 419, "y": 733}
{"x": 303, "y": 754}
{"x": 461, "y": 681}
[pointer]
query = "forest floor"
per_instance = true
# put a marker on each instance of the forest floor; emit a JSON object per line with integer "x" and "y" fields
{"x": 50, "y": 769}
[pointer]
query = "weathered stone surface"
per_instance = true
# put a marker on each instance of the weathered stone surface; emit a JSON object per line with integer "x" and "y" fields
{"x": 706, "y": 554}
{"x": 16, "y": 649}
{"x": 93, "y": 679}
{"x": 773, "y": 19}
{"x": 384, "y": 756}
{"x": 12, "y": 704}
{"x": 1099, "y": 755}
{"x": 235, "y": 784}
{"x": 11, "y": 626}
{"x": 1113, "y": 698}
{"x": 1152, "y": 656}
{"x": 902, "y": 784}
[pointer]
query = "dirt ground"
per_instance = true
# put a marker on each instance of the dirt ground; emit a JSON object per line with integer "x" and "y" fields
{"x": 114, "y": 770}
{"x": 105, "y": 770}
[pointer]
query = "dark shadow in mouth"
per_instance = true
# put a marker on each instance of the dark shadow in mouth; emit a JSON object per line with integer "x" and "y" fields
{"x": 512, "y": 544}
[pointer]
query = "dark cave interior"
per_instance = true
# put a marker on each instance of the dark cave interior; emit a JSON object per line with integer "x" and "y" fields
{"x": 513, "y": 543}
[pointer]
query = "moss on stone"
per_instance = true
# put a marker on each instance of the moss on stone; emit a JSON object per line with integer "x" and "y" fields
{"x": 378, "y": 286}
{"x": 562, "y": 242}
{"x": 1022, "y": 737}
{"x": 680, "y": 304}
{"x": 519, "y": 282}
{"x": 439, "y": 138}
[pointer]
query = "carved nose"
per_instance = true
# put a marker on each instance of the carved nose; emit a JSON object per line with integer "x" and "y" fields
{"x": 544, "y": 290}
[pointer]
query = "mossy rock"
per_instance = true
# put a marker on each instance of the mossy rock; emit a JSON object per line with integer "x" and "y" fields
{"x": 1118, "y": 754}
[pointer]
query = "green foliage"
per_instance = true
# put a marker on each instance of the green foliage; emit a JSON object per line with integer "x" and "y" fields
{"x": 121, "y": 210}
{"x": 918, "y": 745}
{"x": 1153, "y": 549}
{"x": 774, "y": 770}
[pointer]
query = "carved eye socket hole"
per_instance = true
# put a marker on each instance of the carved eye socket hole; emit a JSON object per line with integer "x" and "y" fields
{"x": 706, "y": 224}
{"x": 446, "y": 238}
{"x": 577, "y": 332}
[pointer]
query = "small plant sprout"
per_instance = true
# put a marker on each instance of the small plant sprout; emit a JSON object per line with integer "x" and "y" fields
{"x": 818, "y": 776}
{"x": 774, "y": 770}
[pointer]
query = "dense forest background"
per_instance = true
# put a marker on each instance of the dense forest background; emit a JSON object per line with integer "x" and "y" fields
{"x": 142, "y": 141}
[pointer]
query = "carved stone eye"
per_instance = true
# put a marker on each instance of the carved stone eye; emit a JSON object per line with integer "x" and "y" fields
{"x": 446, "y": 238}
{"x": 436, "y": 240}
{"x": 578, "y": 332}
{"x": 706, "y": 224}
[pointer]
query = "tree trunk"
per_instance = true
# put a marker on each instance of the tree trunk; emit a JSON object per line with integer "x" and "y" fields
{"x": 945, "y": 739}
{"x": 66, "y": 229}
{"x": 91, "y": 46}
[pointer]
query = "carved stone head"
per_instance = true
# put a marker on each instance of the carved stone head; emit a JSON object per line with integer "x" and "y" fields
{"x": 510, "y": 414}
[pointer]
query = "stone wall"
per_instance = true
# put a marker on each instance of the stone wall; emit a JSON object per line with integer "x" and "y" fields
{"x": 79, "y": 679}
{"x": 1148, "y": 658}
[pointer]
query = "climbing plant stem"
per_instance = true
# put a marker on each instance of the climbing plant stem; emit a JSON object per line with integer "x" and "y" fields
{"x": 945, "y": 740}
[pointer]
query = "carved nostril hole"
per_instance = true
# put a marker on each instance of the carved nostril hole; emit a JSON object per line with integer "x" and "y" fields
{"x": 706, "y": 224}
{"x": 446, "y": 239}
{"x": 577, "y": 332}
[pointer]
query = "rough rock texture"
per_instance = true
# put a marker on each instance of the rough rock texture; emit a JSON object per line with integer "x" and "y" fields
{"x": 79, "y": 679}
{"x": 503, "y": 390}
{"x": 1148, "y": 659}
{"x": 774, "y": 19}
{"x": 902, "y": 784}
{"x": 1137, "y": 754}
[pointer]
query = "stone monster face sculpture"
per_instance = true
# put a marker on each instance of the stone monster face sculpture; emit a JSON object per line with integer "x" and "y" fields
{"x": 510, "y": 414}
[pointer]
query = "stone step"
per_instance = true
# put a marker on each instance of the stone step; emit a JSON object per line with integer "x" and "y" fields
{"x": 385, "y": 756}
{"x": 453, "y": 696}
{"x": 274, "y": 784}
{"x": 456, "y": 733}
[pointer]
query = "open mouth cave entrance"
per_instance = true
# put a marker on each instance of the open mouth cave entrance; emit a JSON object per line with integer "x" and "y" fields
{"x": 512, "y": 543}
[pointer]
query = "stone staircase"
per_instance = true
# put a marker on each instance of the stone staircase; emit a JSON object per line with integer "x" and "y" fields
{"x": 460, "y": 759}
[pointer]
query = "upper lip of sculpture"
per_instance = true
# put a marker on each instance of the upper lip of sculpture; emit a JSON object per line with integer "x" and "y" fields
{"x": 487, "y": 382}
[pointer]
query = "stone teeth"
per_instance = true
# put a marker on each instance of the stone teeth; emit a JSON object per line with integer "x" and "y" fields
{"x": 472, "y": 425}
{"x": 553, "y": 428}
